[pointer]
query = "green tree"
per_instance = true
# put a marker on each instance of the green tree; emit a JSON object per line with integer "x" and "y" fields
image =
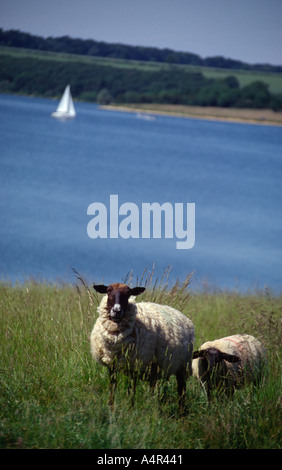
{"x": 231, "y": 82}
{"x": 255, "y": 95}
{"x": 104, "y": 97}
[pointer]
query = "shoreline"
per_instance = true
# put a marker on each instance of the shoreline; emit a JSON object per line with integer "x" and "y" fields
{"x": 244, "y": 116}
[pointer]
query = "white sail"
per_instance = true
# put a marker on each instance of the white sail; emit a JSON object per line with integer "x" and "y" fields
{"x": 65, "y": 107}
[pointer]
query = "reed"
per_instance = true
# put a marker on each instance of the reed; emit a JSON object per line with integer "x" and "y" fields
{"x": 53, "y": 395}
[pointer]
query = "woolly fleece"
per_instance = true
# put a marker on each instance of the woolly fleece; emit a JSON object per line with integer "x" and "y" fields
{"x": 148, "y": 332}
{"x": 250, "y": 351}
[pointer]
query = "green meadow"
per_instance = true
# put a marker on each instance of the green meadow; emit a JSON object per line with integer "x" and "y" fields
{"x": 53, "y": 395}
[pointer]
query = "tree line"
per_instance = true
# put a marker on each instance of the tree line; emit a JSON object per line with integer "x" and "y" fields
{"x": 106, "y": 84}
{"x": 90, "y": 47}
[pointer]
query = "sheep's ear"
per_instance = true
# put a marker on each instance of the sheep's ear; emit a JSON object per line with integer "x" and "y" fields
{"x": 100, "y": 288}
{"x": 230, "y": 358}
{"x": 197, "y": 354}
{"x": 136, "y": 290}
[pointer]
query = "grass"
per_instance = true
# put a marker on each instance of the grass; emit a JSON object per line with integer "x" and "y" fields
{"x": 53, "y": 395}
{"x": 245, "y": 77}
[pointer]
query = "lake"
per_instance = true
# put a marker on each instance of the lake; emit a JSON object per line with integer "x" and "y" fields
{"x": 52, "y": 170}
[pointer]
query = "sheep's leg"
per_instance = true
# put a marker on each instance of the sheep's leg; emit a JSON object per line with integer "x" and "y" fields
{"x": 209, "y": 393}
{"x": 153, "y": 375}
{"x": 113, "y": 385}
{"x": 133, "y": 380}
{"x": 181, "y": 377}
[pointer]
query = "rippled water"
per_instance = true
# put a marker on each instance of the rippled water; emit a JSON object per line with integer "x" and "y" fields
{"x": 51, "y": 171}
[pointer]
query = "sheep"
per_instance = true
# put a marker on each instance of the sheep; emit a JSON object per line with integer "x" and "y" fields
{"x": 229, "y": 363}
{"x": 141, "y": 339}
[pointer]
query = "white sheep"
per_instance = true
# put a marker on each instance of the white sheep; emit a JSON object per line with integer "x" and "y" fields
{"x": 144, "y": 338}
{"x": 229, "y": 363}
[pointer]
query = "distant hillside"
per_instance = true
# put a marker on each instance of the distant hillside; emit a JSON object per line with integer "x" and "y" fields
{"x": 38, "y": 73}
{"x": 26, "y": 67}
{"x": 90, "y": 47}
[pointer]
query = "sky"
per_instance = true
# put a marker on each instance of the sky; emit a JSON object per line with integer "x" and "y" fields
{"x": 246, "y": 30}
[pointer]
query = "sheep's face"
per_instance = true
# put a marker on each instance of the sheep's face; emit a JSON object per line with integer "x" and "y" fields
{"x": 118, "y": 295}
{"x": 212, "y": 365}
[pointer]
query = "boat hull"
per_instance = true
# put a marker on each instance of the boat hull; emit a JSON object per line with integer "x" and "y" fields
{"x": 59, "y": 115}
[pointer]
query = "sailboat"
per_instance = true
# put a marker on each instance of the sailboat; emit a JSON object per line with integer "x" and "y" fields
{"x": 65, "y": 107}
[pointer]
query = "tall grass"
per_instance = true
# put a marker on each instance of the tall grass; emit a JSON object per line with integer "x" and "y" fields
{"x": 53, "y": 395}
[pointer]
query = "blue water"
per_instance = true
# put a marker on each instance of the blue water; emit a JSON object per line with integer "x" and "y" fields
{"x": 50, "y": 171}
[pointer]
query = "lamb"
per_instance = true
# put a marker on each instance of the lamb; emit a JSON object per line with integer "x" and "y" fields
{"x": 229, "y": 363}
{"x": 141, "y": 339}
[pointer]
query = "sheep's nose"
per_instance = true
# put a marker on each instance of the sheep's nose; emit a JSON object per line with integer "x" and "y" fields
{"x": 116, "y": 312}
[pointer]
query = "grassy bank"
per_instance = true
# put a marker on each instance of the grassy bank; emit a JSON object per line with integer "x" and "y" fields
{"x": 53, "y": 395}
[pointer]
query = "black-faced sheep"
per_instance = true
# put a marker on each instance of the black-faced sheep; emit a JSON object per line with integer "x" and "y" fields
{"x": 229, "y": 363}
{"x": 142, "y": 338}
